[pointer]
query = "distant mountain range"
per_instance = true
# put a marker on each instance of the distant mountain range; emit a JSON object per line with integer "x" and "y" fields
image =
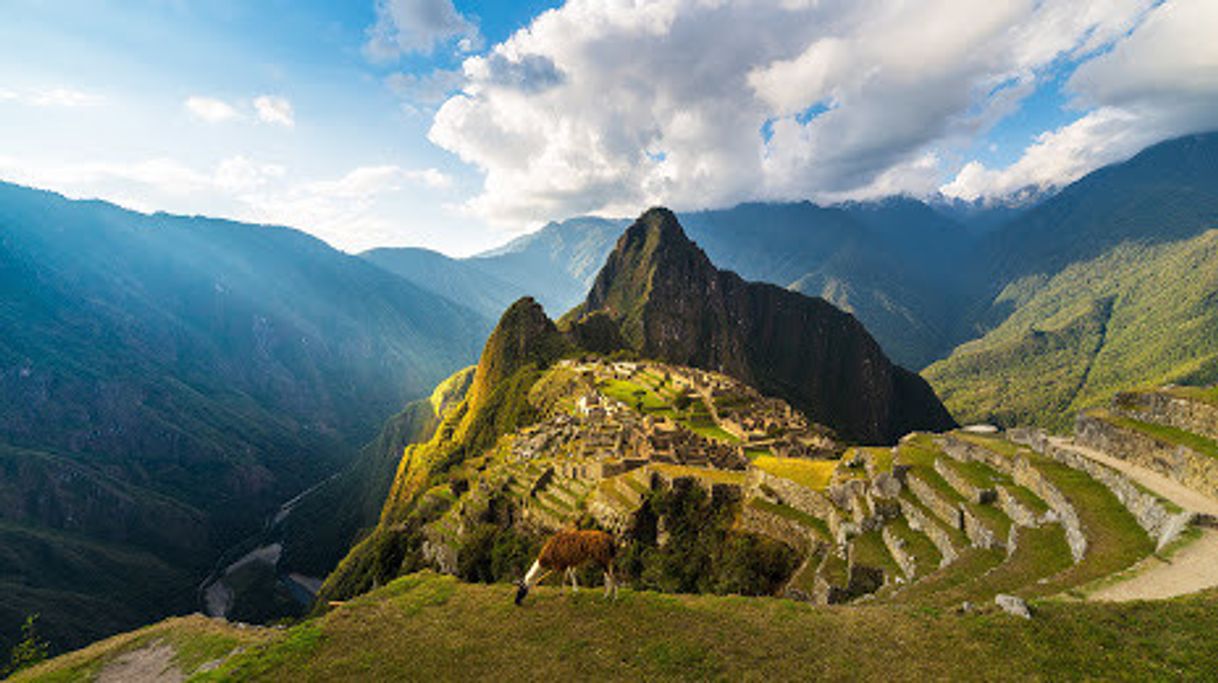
{"x": 1109, "y": 284}
{"x": 167, "y": 382}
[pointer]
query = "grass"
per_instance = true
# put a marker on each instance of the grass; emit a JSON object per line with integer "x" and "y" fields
{"x": 653, "y": 401}
{"x": 926, "y": 556}
{"x": 1115, "y": 540}
{"x": 881, "y": 458}
{"x": 814, "y": 474}
{"x": 1164, "y": 434}
{"x": 197, "y": 640}
{"x": 429, "y": 627}
{"x": 1202, "y": 394}
{"x": 800, "y": 517}
{"x": 869, "y": 550}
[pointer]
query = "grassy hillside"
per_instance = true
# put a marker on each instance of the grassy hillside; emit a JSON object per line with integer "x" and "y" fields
{"x": 1141, "y": 314}
{"x": 429, "y": 627}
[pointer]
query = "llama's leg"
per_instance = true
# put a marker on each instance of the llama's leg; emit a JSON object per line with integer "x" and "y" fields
{"x": 612, "y": 580}
{"x": 574, "y": 580}
{"x": 608, "y": 582}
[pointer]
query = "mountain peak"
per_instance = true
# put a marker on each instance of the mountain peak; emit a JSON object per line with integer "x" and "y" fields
{"x": 669, "y": 302}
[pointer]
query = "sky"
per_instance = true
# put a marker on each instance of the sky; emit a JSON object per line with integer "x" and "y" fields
{"x": 456, "y": 125}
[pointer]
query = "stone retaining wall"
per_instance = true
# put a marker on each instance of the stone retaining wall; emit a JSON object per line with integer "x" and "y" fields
{"x": 919, "y": 521}
{"x": 1026, "y": 475}
{"x": 1017, "y": 511}
{"x": 979, "y": 533}
{"x": 774, "y": 526}
{"x": 963, "y": 486}
{"x": 788, "y": 493}
{"x": 1163, "y": 525}
{"x": 944, "y": 510}
{"x": 896, "y": 548}
{"x": 1193, "y": 416}
{"x": 1195, "y": 470}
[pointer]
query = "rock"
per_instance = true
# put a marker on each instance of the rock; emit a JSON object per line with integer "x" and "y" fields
{"x": 965, "y": 607}
{"x": 1013, "y": 605}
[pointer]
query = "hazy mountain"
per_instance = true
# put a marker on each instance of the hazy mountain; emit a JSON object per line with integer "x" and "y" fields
{"x": 166, "y": 382}
{"x": 1109, "y": 284}
{"x": 667, "y": 301}
{"x": 458, "y": 280}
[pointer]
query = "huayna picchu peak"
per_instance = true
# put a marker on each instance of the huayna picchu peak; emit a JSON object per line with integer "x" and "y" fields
{"x": 670, "y": 303}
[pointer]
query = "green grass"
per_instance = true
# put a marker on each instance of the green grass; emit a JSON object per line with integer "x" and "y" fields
{"x": 1042, "y": 552}
{"x": 931, "y": 589}
{"x": 881, "y": 458}
{"x": 1164, "y": 434}
{"x": 1115, "y": 540}
{"x": 1202, "y": 394}
{"x": 926, "y": 555}
{"x": 800, "y": 517}
{"x": 869, "y": 550}
{"x": 428, "y": 627}
{"x": 655, "y": 402}
{"x": 814, "y": 474}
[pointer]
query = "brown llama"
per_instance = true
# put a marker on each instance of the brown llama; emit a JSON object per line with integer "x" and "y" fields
{"x": 568, "y": 550}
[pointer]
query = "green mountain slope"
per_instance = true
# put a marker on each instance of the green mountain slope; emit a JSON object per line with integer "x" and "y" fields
{"x": 1109, "y": 284}
{"x": 1139, "y": 315}
{"x": 167, "y": 382}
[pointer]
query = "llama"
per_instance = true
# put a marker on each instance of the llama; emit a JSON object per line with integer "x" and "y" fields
{"x": 566, "y": 551}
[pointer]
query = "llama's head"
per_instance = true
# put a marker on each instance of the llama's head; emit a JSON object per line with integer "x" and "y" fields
{"x": 522, "y": 589}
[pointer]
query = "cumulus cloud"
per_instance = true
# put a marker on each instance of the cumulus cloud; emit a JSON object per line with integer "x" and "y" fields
{"x": 275, "y": 110}
{"x": 408, "y": 26}
{"x": 210, "y": 109}
{"x": 609, "y": 106}
{"x": 1160, "y": 82}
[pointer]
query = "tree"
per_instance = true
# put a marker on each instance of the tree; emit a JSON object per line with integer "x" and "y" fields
{"x": 682, "y": 400}
{"x": 30, "y": 651}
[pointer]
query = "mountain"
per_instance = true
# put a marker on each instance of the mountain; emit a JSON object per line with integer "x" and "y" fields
{"x": 882, "y": 261}
{"x": 668, "y": 302}
{"x": 556, "y": 264}
{"x": 891, "y": 263}
{"x": 1109, "y": 284}
{"x": 167, "y": 382}
{"x": 458, "y": 280}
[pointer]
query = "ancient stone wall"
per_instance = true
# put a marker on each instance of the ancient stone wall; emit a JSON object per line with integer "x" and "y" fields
{"x": 1181, "y": 463}
{"x": 941, "y": 507}
{"x": 788, "y": 493}
{"x": 919, "y": 521}
{"x": 1161, "y": 523}
{"x": 774, "y": 526}
{"x": 975, "y": 494}
{"x": 896, "y": 548}
{"x": 1193, "y": 416}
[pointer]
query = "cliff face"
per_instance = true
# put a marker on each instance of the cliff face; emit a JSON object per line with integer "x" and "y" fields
{"x": 671, "y": 303}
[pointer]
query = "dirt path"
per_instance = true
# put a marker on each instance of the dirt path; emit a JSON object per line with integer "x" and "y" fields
{"x": 1192, "y": 568}
{"x": 152, "y": 664}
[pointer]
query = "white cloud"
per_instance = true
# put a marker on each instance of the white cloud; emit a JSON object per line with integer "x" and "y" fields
{"x": 406, "y": 26}
{"x": 1160, "y": 82}
{"x": 51, "y": 97}
{"x": 276, "y": 110}
{"x": 609, "y": 106}
{"x": 210, "y": 109}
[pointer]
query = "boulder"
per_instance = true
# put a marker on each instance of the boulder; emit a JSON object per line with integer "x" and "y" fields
{"x": 1013, "y": 605}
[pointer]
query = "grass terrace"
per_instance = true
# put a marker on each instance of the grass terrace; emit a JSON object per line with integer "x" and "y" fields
{"x": 706, "y": 474}
{"x": 814, "y": 474}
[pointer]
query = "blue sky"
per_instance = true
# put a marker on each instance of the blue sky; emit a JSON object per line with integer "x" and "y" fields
{"x": 458, "y": 125}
